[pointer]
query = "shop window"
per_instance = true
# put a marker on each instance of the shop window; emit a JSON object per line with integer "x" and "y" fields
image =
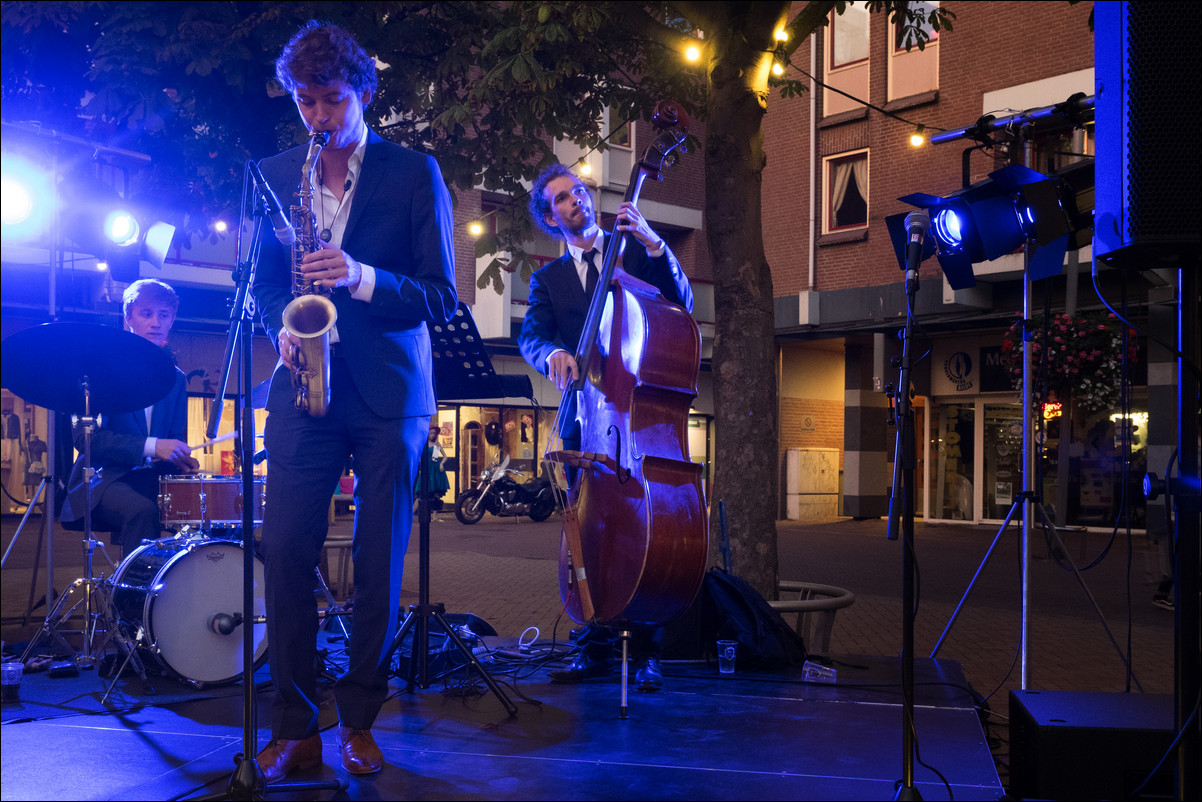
{"x": 845, "y": 185}
{"x": 913, "y": 72}
{"x": 953, "y": 435}
{"x": 846, "y": 63}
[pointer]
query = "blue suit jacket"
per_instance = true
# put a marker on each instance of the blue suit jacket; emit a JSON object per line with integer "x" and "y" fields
{"x": 400, "y": 223}
{"x": 557, "y": 306}
{"x": 118, "y": 443}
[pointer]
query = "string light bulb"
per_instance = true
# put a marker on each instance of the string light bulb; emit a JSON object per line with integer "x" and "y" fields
{"x": 475, "y": 228}
{"x": 585, "y": 168}
{"x": 918, "y": 138}
{"x": 692, "y": 53}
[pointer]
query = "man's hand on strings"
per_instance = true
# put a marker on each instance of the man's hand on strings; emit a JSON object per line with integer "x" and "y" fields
{"x": 561, "y": 369}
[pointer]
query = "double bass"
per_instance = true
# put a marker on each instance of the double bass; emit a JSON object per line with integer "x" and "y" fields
{"x": 635, "y": 527}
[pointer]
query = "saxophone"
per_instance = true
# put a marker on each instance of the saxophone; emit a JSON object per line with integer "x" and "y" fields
{"x": 310, "y": 315}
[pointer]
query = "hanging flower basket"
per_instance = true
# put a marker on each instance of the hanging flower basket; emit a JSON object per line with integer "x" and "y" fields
{"x": 1083, "y": 358}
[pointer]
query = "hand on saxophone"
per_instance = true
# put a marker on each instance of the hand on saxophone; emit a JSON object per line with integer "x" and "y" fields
{"x": 331, "y": 267}
{"x": 288, "y": 341}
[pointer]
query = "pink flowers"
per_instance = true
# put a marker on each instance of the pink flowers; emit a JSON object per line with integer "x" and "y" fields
{"x": 1081, "y": 353}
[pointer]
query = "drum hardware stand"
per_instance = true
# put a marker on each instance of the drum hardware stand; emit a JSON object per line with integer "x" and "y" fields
{"x": 420, "y": 614}
{"x": 333, "y": 608}
{"x": 98, "y": 612}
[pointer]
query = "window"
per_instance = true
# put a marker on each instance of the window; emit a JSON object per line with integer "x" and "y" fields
{"x": 845, "y": 180}
{"x": 849, "y": 37}
{"x": 846, "y": 61}
{"x": 915, "y": 71}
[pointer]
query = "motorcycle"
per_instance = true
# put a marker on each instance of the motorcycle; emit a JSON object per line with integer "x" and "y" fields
{"x": 498, "y": 493}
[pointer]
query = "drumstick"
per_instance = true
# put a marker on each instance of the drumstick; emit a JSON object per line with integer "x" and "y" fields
{"x": 218, "y": 439}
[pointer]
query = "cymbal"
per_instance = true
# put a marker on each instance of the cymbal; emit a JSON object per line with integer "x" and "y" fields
{"x": 47, "y": 364}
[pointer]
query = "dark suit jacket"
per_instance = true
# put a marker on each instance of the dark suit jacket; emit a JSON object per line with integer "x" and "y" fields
{"x": 557, "y": 306}
{"x": 394, "y": 227}
{"x": 118, "y": 443}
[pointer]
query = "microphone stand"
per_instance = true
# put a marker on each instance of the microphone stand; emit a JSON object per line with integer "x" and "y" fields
{"x": 902, "y": 507}
{"x": 246, "y": 781}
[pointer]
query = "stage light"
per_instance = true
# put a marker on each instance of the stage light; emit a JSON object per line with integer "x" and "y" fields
{"x": 26, "y": 198}
{"x": 1014, "y": 207}
{"x": 121, "y": 228}
{"x": 949, "y": 227}
{"x": 99, "y": 222}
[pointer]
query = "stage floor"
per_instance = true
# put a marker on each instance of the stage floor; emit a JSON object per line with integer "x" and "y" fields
{"x": 753, "y": 735}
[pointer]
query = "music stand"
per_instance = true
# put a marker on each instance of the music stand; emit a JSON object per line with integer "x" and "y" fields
{"x": 462, "y": 371}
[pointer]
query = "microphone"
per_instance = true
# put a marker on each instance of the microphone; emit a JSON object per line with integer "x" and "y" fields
{"x": 918, "y": 223}
{"x": 275, "y": 213}
{"x": 225, "y": 624}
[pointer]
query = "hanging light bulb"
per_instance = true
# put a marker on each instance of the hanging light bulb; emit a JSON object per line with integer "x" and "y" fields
{"x": 918, "y": 138}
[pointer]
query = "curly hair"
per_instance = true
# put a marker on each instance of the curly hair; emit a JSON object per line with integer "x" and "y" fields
{"x": 321, "y": 54}
{"x": 539, "y": 206}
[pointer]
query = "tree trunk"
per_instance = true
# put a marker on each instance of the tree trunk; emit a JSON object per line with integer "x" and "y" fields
{"x": 744, "y": 358}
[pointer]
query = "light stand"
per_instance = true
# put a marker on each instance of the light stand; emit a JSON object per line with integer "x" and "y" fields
{"x": 1028, "y": 501}
{"x": 901, "y": 506}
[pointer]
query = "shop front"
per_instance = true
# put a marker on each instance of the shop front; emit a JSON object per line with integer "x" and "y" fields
{"x": 972, "y": 445}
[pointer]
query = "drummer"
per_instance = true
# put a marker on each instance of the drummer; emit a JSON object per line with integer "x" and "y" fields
{"x": 132, "y": 450}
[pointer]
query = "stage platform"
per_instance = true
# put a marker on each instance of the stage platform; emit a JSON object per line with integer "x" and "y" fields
{"x": 754, "y": 735}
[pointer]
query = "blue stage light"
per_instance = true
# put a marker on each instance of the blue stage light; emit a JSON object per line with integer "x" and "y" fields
{"x": 121, "y": 227}
{"x": 27, "y": 200}
{"x": 949, "y": 228}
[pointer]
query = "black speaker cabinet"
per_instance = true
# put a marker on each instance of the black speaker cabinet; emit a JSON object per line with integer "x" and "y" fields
{"x": 1076, "y": 745}
{"x": 1147, "y": 112}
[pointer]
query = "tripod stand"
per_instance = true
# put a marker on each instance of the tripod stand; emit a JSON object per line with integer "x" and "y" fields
{"x": 1028, "y": 502}
{"x": 451, "y": 381}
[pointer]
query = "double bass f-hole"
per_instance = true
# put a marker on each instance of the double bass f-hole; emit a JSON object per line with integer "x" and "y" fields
{"x": 623, "y": 473}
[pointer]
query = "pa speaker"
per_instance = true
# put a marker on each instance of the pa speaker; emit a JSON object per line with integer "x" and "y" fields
{"x": 1076, "y": 745}
{"x": 1147, "y": 113}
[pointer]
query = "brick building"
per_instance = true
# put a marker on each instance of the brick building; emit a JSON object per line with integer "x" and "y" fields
{"x": 835, "y": 170}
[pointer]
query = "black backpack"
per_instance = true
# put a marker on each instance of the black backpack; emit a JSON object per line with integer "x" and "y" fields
{"x": 732, "y": 610}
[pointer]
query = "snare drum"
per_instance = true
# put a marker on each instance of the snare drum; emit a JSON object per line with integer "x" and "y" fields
{"x": 173, "y": 588}
{"x": 203, "y": 500}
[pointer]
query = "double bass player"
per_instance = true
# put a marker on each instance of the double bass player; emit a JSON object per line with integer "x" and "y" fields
{"x": 560, "y": 295}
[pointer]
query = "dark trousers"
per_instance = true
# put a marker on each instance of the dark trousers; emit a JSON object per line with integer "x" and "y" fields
{"x": 305, "y": 458}
{"x": 129, "y": 508}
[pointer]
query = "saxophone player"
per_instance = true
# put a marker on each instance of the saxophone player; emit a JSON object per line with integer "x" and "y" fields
{"x": 384, "y": 252}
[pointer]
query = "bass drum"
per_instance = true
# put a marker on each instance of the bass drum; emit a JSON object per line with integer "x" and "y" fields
{"x": 173, "y": 588}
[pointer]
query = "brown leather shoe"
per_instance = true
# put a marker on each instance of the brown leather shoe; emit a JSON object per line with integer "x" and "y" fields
{"x": 360, "y": 755}
{"x": 280, "y": 757}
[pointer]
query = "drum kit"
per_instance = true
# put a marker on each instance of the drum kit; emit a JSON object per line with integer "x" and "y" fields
{"x": 173, "y": 601}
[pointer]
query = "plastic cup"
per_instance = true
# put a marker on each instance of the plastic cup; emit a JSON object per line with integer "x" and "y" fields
{"x": 10, "y": 680}
{"x": 728, "y": 652}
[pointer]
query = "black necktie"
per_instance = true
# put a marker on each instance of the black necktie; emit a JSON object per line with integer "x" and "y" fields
{"x": 590, "y": 282}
